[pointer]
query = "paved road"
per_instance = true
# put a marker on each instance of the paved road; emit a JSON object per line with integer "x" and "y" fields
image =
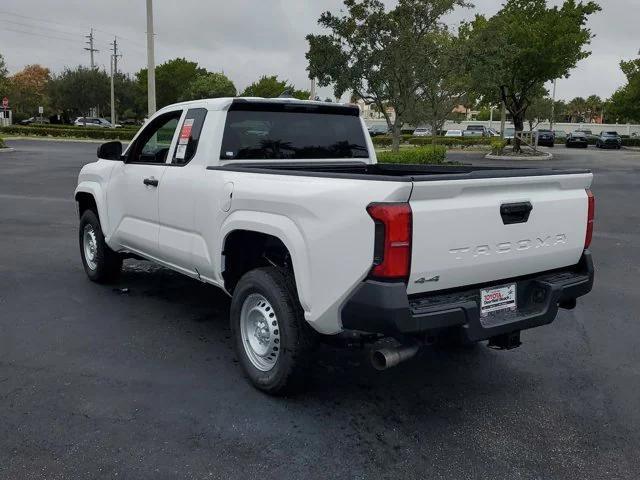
{"x": 95, "y": 383}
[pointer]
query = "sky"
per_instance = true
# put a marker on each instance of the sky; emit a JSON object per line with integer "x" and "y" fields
{"x": 249, "y": 38}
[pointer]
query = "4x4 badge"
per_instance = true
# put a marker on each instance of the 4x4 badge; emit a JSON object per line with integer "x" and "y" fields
{"x": 425, "y": 280}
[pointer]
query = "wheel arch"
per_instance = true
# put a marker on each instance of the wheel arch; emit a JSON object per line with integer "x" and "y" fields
{"x": 89, "y": 195}
{"x": 279, "y": 234}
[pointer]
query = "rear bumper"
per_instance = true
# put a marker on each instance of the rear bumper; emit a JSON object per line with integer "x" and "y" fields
{"x": 379, "y": 307}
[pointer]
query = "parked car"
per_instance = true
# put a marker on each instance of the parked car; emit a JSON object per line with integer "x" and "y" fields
{"x": 609, "y": 140}
{"x": 475, "y": 131}
{"x": 453, "y": 133}
{"x": 546, "y": 138}
{"x": 96, "y": 122}
{"x": 588, "y": 133}
{"x": 35, "y": 121}
{"x": 509, "y": 133}
{"x": 492, "y": 132}
{"x": 377, "y": 129}
{"x": 577, "y": 139}
{"x": 291, "y": 219}
{"x": 422, "y": 132}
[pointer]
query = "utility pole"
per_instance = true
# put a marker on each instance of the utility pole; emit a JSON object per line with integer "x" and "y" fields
{"x": 91, "y": 50}
{"x": 312, "y": 94}
{"x": 114, "y": 71}
{"x": 151, "y": 65}
{"x": 553, "y": 106}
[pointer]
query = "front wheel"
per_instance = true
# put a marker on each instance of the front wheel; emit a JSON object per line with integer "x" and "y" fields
{"x": 272, "y": 339}
{"x": 101, "y": 264}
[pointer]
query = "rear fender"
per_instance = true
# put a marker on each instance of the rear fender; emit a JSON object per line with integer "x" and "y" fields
{"x": 280, "y": 227}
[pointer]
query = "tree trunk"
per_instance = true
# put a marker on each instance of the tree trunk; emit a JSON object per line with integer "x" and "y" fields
{"x": 397, "y": 134}
{"x": 518, "y": 123}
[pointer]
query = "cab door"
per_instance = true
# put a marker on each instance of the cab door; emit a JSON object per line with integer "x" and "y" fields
{"x": 133, "y": 191}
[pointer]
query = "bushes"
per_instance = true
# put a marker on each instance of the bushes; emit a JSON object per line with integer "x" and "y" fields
{"x": 70, "y": 132}
{"x": 497, "y": 146}
{"x": 631, "y": 142}
{"x": 422, "y": 155}
{"x": 386, "y": 141}
{"x": 2, "y": 145}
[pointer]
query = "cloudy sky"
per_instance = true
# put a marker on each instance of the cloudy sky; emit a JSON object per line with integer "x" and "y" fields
{"x": 248, "y": 38}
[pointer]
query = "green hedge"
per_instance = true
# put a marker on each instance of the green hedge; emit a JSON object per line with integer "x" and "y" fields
{"x": 73, "y": 127}
{"x": 73, "y": 132}
{"x": 421, "y": 155}
{"x": 631, "y": 142}
{"x": 386, "y": 141}
{"x": 2, "y": 145}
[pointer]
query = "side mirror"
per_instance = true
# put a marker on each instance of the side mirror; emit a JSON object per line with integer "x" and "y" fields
{"x": 110, "y": 151}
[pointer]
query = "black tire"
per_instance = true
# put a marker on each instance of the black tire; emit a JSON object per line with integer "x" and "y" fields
{"x": 296, "y": 338}
{"x": 108, "y": 264}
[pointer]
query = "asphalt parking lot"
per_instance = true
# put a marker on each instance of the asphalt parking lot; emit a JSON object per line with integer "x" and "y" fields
{"x": 98, "y": 383}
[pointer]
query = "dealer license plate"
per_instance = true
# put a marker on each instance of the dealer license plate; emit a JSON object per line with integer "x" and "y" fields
{"x": 497, "y": 298}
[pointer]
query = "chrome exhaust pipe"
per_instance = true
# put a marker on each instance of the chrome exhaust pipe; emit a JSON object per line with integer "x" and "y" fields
{"x": 392, "y": 356}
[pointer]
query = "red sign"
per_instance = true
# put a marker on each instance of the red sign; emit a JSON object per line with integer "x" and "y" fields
{"x": 185, "y": 132}
{"x": 5, "y": 103}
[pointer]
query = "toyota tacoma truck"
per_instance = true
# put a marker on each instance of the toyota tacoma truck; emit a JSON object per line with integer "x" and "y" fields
{"x": 282, "y": 204}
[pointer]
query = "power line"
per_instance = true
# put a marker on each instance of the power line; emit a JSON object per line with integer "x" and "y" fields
{"x": 67, "y": 26}
{"x": 6, "y": 29}
{"x": 40, "y": 20}
{"x": 11, "y": 22}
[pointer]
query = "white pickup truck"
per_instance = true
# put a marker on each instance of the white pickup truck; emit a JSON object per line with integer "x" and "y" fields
{"x": 281, "y": 203}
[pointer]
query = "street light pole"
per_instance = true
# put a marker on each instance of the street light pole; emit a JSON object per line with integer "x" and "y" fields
{"x": 151, "y": 66}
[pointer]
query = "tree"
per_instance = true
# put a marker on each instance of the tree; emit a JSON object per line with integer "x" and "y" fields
{"x": 624, "y": 104}
{"x": 4, "y": 83}
{"x": 539, "y": 110}
{"x": 28, "y": 89}
{"x": 442, "y": 83}
{"x": 271, "y": 87}
{"x": 379, "y": 55}
{"x": 173, "y": 77}
{"x": 524, "y": 46}
{"x": 76, "y": 91}
{"x": 210, "y": 85}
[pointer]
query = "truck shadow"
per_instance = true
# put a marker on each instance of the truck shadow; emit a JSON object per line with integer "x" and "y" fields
{"x": 337, "y": 372}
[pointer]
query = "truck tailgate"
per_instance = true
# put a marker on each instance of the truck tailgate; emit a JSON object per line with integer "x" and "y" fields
{"x": 476, "y": 230}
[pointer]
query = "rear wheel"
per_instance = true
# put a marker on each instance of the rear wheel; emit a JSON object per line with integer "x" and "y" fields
{"x": 272, "y": 339}
{"x": 101, "y": 264}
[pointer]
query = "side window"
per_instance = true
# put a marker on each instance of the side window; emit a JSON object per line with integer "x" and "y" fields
{"x": 152, "y": 146}
{"x": 189, "y": 136}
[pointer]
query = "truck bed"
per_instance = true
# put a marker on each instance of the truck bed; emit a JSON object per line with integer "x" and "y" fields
{"x": 391, "y": 172}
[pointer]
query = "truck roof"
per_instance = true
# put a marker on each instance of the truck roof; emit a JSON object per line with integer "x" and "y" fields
{"x": 224, "y": 102}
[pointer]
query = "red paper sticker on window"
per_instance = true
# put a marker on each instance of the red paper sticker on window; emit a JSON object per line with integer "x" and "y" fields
{"x": 185, "y": 133}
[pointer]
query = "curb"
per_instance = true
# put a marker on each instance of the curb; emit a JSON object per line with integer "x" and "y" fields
{"x": 7, "y": 150}
{"x": 545, "y": 156}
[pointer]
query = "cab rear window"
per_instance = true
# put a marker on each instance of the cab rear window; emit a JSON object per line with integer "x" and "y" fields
{"x": 292, "y": 132}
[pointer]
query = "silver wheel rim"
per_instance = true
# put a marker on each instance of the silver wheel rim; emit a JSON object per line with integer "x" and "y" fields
{"x": 260, "y": 332}
{"x": 90, "y": 246}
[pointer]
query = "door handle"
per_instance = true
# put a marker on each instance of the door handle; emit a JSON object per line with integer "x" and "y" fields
{"x": 515, "y": 212}
{"x": 152, "y": 182}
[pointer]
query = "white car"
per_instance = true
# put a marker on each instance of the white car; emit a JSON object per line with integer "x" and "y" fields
{"x": 422, "y": 132}
{"x": 282, "y": 204}
{"x": 453, "y": 133}
{"x": 96, "y": 122}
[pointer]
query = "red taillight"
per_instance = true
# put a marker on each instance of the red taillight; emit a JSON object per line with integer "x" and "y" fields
{"x": 392, "y": 250}
{"x": 591, "y": 210}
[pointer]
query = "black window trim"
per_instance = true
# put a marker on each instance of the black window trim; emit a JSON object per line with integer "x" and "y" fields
{"x": 184, "y": 118}
{"x": 133, "y": 145}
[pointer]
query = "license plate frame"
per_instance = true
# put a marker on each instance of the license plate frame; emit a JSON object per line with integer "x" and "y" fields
{"x": 498, "y": 299}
